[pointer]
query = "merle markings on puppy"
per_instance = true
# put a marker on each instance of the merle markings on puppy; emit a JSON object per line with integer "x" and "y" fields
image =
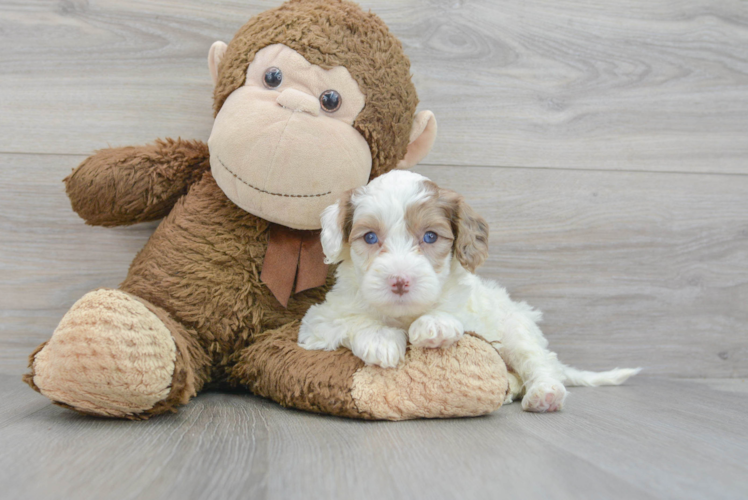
{"x": 408, "y": 251}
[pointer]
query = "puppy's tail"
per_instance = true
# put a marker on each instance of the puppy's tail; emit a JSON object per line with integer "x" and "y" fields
{"x": 574, "y": 377}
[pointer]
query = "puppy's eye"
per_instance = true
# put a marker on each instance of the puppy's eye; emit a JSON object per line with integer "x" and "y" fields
{"x": 429, "y": 237}
{"x": 273, "y": 77}
{"x": 330, "y": 100}
{"x": 371, "y": 238}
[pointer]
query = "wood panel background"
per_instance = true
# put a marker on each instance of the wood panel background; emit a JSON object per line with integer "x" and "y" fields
{"x": 606, "y": 143}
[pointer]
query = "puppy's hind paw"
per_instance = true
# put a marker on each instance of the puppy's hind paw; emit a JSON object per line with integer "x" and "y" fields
{"x": 437, "y": 330}
{"x": 544, "y": 396}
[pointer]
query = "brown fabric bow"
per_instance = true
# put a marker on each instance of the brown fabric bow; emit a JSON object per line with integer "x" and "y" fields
{"x": 293, "y": 255}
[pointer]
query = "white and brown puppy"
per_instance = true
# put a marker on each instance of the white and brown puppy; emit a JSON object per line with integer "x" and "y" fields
{"x": 408, "y": 250}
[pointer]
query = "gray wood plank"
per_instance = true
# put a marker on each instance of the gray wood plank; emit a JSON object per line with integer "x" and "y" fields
{"x": 735, "y": 385}
{"x": 639, "y": 85}
{"x": 658, "y": 434}
{"x": 17, "y": 400}
{"x": 630, "y": 268}
{"x": 650, "y": 439}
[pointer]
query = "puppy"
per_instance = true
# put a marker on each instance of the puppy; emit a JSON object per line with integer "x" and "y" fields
{"x": 408, "y": 251}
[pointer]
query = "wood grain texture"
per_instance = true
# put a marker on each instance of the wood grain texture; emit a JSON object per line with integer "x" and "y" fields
{"x": 638, "y": 85}
{"x": 650, "y": 439}
{"x": 630, "y": 268}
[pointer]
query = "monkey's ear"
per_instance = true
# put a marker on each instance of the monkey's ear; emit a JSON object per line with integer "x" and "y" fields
{"x": 422, "y": 137}
{"x": 217, "y": 50}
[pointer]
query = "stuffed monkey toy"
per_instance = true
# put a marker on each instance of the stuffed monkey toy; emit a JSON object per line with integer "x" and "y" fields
{"x": 311, "y": 99}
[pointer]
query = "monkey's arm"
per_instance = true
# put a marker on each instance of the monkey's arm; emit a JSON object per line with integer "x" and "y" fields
{"x": 121, "y": 186}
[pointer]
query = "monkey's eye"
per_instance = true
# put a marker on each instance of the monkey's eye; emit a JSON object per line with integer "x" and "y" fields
{"x": 371, "y": 238}
{"x": 273, "y": 77}
{"x": 429, "y": 237}
{"x": 330, "y": 101}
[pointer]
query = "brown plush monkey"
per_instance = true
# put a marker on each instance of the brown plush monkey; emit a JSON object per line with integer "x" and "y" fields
{"x": 311, "y": 99}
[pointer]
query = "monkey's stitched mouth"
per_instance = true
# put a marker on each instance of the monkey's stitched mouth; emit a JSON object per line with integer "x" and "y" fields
{"x": 269, "y": 192}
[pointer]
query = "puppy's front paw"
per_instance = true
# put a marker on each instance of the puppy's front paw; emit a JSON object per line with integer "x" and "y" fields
{"x": 314, "y": 339}
{"x": 544, "y": 396}
{"x": 437, "y": 330}
{"x": 383, "y": 347}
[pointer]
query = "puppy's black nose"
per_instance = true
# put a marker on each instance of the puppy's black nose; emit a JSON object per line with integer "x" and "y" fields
{"x": 399, "y": 285}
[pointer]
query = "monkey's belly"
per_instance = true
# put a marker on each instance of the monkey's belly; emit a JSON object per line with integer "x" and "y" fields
{"x": 203, "y": 265}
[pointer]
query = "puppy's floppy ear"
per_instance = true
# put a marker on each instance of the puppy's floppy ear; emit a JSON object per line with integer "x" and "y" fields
{"x": 471, "y": 230}
{"x": 336, "y": 221}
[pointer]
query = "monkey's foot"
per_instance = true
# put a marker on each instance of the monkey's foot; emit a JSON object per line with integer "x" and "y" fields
{"x": 109, "y": 356}
{"x": 466, "y": 379}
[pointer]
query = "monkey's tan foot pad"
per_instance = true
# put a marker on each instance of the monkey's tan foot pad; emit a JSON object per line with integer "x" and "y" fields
{"x": 467, "y": 379}
{"x": 109, "y": 356}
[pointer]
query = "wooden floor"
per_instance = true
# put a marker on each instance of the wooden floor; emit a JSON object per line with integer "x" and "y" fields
{"x": 605, "y": 142}
{"x": 654, "y": 438}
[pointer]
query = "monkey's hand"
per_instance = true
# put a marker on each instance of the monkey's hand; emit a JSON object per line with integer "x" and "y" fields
{"x": 121, "y": 186}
